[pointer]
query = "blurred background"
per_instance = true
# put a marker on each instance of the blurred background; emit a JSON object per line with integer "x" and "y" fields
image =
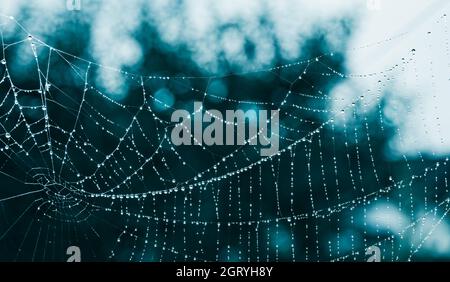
{"x": 87, "y": 89}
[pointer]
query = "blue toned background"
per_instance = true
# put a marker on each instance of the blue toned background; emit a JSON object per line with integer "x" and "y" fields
{"x": 86, "y": 94}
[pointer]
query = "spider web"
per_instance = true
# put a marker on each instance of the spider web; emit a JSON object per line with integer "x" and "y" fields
{"x": 102, "y": 173}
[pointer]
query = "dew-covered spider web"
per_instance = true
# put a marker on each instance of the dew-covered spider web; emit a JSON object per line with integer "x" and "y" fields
{"x": 82, "y": 167}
